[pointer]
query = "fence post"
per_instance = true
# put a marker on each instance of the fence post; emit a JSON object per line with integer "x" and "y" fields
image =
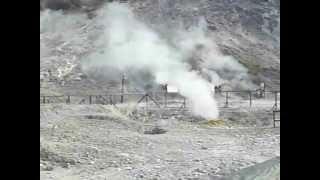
{"x": 90, "y": 99}
{"x": 68, "y": 99}
{"x": 276, "y": 99}
{"x": 227, "y": 103}
{"x": 44, "y": 100}
{"x": 250, "y": 97}
{"x": 122, "y": 88}
{"x": 165, "y": 99}
{"x": 147, "y": 102}
{"x": 274, "y": 119}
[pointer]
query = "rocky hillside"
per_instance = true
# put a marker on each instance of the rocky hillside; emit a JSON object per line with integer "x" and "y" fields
{"x": 248, "y": 30}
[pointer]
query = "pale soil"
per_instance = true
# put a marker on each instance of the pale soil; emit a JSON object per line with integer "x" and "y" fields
{"x": 97, "y": 142}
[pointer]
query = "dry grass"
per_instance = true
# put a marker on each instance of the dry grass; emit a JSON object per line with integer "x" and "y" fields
{"x": 211, "y": 122}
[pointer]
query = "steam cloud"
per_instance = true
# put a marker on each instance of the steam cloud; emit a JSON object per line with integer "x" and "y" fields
{"x": 187, "y": 59}
{"x": 130, "y": 44}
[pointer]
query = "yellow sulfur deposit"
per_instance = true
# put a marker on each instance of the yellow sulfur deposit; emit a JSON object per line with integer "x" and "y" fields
{"x": 212, "y": 122}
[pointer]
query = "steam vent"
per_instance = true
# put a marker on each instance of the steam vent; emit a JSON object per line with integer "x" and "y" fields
{"x": 159, "y": 89}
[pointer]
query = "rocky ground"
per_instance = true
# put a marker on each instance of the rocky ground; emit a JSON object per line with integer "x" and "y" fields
{"x": 104, "y": 142}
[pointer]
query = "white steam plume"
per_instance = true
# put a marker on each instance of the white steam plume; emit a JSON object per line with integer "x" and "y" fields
{"x": 161, "y": 54}
{"x": 128, "y": 43}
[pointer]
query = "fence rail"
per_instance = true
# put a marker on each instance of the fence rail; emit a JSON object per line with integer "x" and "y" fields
{"x": 225, "y": 99}
{"x": 231, "y": 98}
{"x": 249, "y": 98}
{"x": 159, "y": 100}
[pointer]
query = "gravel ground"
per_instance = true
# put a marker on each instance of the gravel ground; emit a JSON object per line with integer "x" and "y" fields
{"x": 102, "y": 142}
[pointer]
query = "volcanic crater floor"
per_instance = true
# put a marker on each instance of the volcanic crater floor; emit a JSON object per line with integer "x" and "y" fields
{"x": 93, "y": 142}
